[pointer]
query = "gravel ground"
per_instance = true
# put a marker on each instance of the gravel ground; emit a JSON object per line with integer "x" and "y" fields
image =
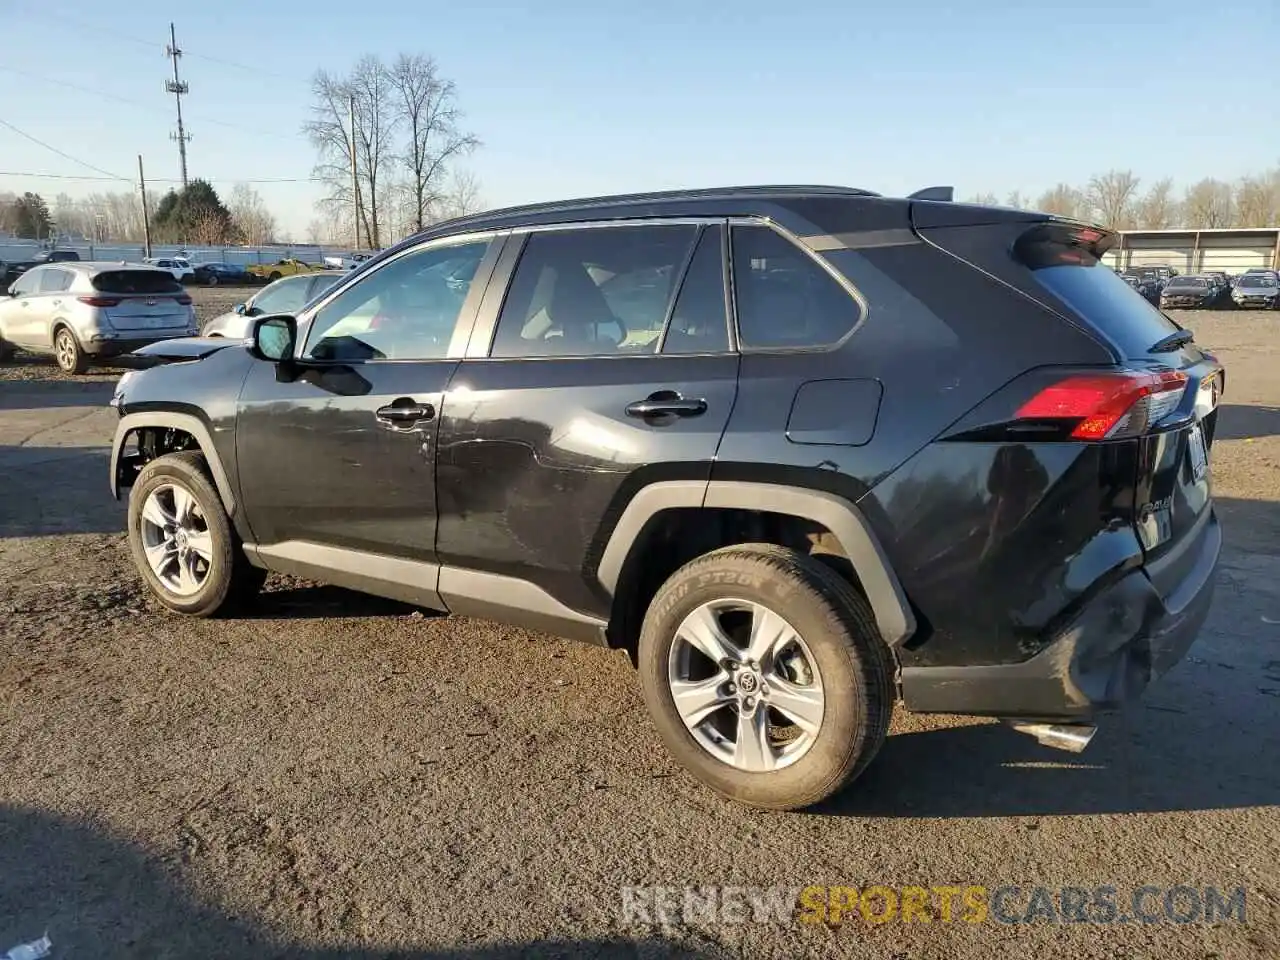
{"x": 337, "y": 775}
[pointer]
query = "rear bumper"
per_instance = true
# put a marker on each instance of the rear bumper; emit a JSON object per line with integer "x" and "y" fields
{"x": 114, "y": 347}
{"x": 1125, "y": 637}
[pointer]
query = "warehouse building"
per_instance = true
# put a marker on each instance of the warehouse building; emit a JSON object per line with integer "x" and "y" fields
{"x": 1232, "y": 249}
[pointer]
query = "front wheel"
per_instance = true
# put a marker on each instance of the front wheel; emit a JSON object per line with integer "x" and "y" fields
{"x": 765, "y": 675}
{"x": 182, "y": 540}
{"x": 68, "y": 352}
{"x": 274, "y": 276}
{"x": 212, "y": 281}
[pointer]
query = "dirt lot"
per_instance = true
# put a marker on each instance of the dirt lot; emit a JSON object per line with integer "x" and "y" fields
{"x": 342, "y": 776}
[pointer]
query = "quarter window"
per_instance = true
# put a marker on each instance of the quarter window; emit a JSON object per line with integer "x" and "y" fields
{"x": 406, "y": 310}
{"x": 784, "y": 298}
{"x": 599, "y": 291}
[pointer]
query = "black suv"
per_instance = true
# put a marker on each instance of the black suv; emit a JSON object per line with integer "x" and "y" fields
{"x": 801, "y": 451}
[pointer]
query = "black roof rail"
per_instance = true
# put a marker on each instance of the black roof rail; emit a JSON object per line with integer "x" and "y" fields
{"x": 934, "y": 193}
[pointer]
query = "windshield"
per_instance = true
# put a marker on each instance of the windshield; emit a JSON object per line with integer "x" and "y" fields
{"x": 1257, "y": 280}
{"x": 1178, "y": 283}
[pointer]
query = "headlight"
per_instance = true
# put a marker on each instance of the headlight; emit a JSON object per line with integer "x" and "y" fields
{"x": 118, "y": 395}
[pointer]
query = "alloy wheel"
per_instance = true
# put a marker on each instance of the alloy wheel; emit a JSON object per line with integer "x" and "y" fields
{"x": 745, "y": 685}
{"x": 176, "y": 539}
{"x": 65, "y": 350}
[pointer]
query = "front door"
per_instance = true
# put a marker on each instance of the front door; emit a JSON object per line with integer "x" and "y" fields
{"x": 611, "y": 365}
{"x": 336, "y": 452}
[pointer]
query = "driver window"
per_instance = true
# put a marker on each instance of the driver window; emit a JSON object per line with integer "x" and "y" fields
{"x": 406, "y": 310}
{"x": 599, "y": 291}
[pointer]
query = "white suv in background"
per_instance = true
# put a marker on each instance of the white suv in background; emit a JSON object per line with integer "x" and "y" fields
{"x": 81, "y": 312}
{"x": 179, "y": 267}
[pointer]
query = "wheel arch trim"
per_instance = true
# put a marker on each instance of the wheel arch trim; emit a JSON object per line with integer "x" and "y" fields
{"x": 888, "y": 601}
{"x": 186, "y": 422}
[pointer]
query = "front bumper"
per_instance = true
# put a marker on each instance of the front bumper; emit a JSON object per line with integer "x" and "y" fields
{"x": 1125, "y": 637}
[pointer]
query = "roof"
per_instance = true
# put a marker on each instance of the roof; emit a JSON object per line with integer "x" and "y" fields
{"x": 632, "y": 204}
{"x": 95, "y": 266}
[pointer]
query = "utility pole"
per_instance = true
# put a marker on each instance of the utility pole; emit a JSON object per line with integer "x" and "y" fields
{"x": 355, "y": 182}
{"x": 177, "y": 88}
{"x": 146, "y": 217}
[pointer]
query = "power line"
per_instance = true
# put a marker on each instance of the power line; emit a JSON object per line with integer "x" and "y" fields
{"x": 150, "y": 108}
{"x": 61, "y": 153}
{"x": 78, "y": 176}
{"x": 97, "y": 28}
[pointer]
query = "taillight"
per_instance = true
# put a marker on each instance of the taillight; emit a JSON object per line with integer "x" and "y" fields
{"x": 1108, "y": 405}
{"x": 100, "y": 301}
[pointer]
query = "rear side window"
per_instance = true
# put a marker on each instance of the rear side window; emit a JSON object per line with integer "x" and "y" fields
{"x": 700, "y": 321}
{"x": 597, "y": 291}
{"x": 784, "y": 298}
{"x": 136, "y": 281}
{"x": 54, "y": 281}
{"x": 1073, "y": 273}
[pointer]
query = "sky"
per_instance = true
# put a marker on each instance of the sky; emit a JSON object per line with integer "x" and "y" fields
{"x": 586, "y": 97}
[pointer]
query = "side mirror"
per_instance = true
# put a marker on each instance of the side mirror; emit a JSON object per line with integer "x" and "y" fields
{"x": 240, "y": 308}
{"x": 274, "y": 337}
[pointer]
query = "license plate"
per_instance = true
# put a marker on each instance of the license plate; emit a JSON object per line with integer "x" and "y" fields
{"x": 1199, "y": 456}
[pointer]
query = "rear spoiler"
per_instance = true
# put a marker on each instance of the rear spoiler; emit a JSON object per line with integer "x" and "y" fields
{"x": 1060, "y": 242}
{"x": 943, "y": 194}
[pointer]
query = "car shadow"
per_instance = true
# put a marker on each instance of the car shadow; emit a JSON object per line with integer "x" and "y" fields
{"x": 57, "y": 490}
{"x": 97, "y": 895}
{"x": 287, "y": 598}
{"x": 1246, "y": 422}
{"x": 93, "y": 389}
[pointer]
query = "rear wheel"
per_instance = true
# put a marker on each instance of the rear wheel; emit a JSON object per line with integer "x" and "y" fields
{"x": 6, "y": 351}
{"x": 765, "y": 675}
{"x": 68, "y": 353}
{"x": 212, "y": 281}
{"x": 274, "y": 275}
{"x": 182, "y": 540}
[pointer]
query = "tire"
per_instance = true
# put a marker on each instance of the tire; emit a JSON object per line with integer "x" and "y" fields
{"x": 68, "y": 353}
{"x": 840, "y": 639}
{"x": 6, "y": 351}
{"x": 227, "y": 580}
{"x": 212, "y": 281}
{"x": 274, "y": 276}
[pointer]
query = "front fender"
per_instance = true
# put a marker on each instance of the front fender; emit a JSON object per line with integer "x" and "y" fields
{"x": 185, "y": 422}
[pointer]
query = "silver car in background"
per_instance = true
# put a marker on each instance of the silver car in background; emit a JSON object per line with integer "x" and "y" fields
{"x": 287, "y": 295}
{"x": 89, "y": 311}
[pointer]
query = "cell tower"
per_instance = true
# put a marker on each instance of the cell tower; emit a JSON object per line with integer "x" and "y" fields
{"x": 177, "y": 88}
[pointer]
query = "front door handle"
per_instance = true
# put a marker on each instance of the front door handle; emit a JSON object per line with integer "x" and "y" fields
{"x": 666, "y": 403}
{"x": 405, "y": 410}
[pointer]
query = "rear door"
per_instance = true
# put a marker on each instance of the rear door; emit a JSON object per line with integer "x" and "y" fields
{"x": 605, "y": 364}
{"x": 26, "y": 313}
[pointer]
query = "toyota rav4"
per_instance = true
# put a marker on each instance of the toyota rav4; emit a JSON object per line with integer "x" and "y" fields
{"x": 802, "y": 452}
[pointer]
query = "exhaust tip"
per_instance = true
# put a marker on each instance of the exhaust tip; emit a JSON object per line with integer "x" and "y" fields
{"x": 1072, "y": 737}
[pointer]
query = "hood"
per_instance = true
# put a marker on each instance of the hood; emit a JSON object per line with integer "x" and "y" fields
{"x": 176, "y": 350}
{"x": 1256, "y": 291}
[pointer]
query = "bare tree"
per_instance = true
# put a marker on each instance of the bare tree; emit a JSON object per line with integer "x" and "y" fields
{"x": 426, "y": 104}
{"x": 461, "y": 197}
{"x": 329, "y": 132}
{"x": 1258, "y": 200}
{"x": 1208, "y": 204}
{"x": 1062, "y": 201}
{"x": 1017, "y": 201}
{"x": 984, "y": 199}
{"x": 1110, "y": 197}
{"x": 253, "y": 222}
{"x": 1157, "y": 209}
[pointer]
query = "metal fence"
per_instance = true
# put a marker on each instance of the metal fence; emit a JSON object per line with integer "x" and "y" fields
{"x": 13, "y": 250}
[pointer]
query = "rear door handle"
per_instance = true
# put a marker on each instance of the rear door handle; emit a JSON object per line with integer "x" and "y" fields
{"x": 666, "y": 403}
{"x": 405, "y": 410}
